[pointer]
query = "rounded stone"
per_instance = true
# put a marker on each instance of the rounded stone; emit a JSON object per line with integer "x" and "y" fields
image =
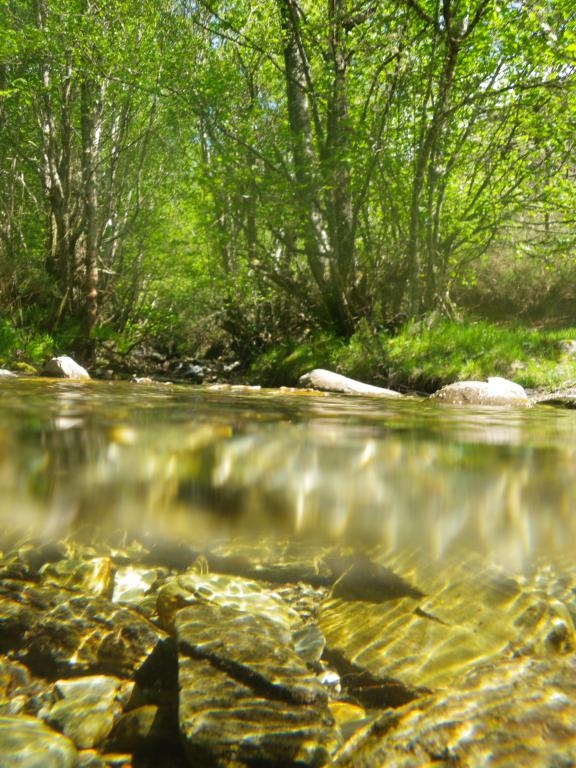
{"x": 26, "y": 742}
{"x": 495, "y": 391}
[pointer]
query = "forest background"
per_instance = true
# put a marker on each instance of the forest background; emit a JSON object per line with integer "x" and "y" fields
{"x": 387, "y": 188}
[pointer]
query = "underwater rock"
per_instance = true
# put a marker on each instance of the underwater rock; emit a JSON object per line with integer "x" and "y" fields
{"x": 58, "y": 633}
{"x": 134, "y": 585}
{"x": 26, "y": 742}
{"x": 246, "y": 694}
{"x": 467, "y": 614}
{"x": 93, "y": 575}
{"x": 246, "y": 697}
{"x": 328, "y": 381}
{"x": 90, "y": 635}
{"x": 19, "y": 692}
{"x": 87, "y": 709}
{"x": 21, "y": 605}
{"x": 495, "y": 391}
{"x": 325, "y": 656}
{"x": 515, "y": 711}
{"x": 64, "y": 367}
{"x": 252, "y": 648}
{"x": 226, "y": 591}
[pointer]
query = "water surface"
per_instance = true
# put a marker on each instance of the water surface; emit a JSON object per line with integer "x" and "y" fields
{"x": 192, "y": 463}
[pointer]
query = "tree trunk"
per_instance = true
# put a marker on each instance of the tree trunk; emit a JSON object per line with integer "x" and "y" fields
{"x": 319, "y": 161}
{"x": 90, "y": 120}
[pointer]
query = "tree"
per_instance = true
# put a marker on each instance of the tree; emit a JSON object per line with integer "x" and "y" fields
{"x": 90, "y": 113}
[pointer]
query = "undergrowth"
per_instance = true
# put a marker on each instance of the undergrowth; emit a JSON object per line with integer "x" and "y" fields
{"x": 424, "y": 356}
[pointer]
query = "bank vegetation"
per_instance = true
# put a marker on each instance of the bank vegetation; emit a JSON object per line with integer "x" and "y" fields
{"x": 229, "y": 178}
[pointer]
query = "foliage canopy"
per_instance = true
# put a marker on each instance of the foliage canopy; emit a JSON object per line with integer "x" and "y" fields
{"x": 197, "y": 174}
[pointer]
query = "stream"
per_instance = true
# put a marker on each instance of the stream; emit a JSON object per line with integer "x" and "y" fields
{"x": 229, "y": 577}
{"x": 181, "y": 462}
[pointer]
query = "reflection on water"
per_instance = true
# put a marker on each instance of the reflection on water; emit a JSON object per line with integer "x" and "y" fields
{"x": 195, "y": 463}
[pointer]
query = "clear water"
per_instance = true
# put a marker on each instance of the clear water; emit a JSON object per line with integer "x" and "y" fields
{"x": 193, "y": 463}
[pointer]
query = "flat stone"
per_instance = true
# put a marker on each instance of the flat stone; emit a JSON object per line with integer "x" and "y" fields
{"x": 328, "y": 381}
{"x": 87, "y": 710}
{"x": 224, "y": 590}
{"x": 495, "y": 391}
{"x": 253, "y": 648}
{"x": 515, "y": 711}
{"x": 245, "y": 694}
{"x": 225, "y": 722}
{"x": 81, "y": 636}
{"x": 26, "y": 742}
{"x": 467, "y": 614}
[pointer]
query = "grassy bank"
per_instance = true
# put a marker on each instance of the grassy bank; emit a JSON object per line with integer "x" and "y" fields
{"x": 420, "y": 358}
{"x": 423, "y": 357}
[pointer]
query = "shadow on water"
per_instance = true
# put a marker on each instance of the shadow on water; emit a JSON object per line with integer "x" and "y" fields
{"x": 190, "y": 463}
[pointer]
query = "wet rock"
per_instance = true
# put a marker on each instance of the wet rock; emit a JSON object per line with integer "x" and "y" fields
{"x": 89, "y": 758}
{"x": 93, "y": 575}
{"x": 516, "y": 711}
{"x": 495, "y": 391}
{"x": 246, "y": 695}
{"x": 64, "y": 367}
{"x": 309, "y": 643}
{"x": 21, "y": 606}
{"x": 133, "y": 585}
{"x": 252, "y": 648}
{"x": 562, "y": 399}
{"x": 226, "y": 591}
{"x": 58, "y": 633}
{"x": 4, "y": 374}
{"x": 87, "y": 709}
{"x": 328, "y": 381}
{"x": 468, "y": 613}
{"x": 82, "y": 636}
{"x": 225, "y": 722}
{"x": 34, "y": 554}
{"x": 26, "y": 742}
{"x": 19, "y": 692}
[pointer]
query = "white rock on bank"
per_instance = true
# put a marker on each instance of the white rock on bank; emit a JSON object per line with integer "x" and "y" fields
{"x": 328, "y": 381}
{"x": 64, "y": 367}
{"x": 495, "y": 391}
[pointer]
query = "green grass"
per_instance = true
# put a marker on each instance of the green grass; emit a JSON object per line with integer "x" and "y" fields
{"x": 449, "y": 351}
{"x": 423, "y": 357}
{"x": 21, "y": 349}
